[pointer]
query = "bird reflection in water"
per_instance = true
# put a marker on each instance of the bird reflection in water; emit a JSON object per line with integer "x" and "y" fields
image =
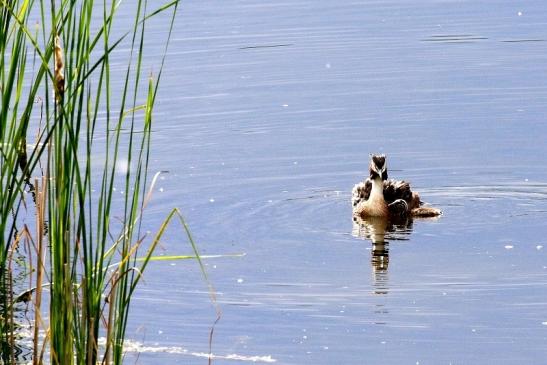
{"x": 379, "y": 230}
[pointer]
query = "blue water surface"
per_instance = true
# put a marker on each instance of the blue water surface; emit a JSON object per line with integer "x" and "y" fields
{"x": 266, "y": 117}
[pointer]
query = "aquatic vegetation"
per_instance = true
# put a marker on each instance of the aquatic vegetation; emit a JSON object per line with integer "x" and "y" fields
{"x": 58, "y": 90}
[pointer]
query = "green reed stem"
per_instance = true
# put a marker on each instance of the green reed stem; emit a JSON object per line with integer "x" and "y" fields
{"x": 73, "y": 54}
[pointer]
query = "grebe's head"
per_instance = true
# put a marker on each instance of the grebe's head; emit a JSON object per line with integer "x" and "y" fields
{"x": 378, "y": 167}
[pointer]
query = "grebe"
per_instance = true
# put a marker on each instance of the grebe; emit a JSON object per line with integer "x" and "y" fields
{"x": 380, "y": 197}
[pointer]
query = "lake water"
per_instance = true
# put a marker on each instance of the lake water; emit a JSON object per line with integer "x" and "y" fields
{"x": 266, "y": 118}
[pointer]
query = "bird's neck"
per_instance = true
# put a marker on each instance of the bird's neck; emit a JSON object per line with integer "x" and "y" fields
{"x": 377, "y": 191}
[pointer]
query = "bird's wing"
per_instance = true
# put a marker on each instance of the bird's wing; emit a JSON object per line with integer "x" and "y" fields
{"x": 361, "y": 192}
{"x": 394, "y": 190}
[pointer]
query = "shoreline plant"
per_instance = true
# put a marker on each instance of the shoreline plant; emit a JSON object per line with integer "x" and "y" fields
{"x": 57, "y": 87}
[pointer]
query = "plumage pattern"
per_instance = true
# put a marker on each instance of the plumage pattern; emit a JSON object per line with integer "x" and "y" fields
{"x": 393, "y": 190}
{"x": 361, "y": 192}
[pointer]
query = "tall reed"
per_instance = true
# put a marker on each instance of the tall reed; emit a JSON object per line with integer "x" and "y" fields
{"x": 92, "y": 270}
{"x": 15, "y": 165}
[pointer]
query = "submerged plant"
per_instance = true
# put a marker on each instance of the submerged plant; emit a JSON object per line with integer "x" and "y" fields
{"x": 64, "y": 100}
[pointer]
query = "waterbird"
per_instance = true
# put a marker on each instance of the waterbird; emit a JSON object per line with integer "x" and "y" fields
{"x": 379, "y": 197}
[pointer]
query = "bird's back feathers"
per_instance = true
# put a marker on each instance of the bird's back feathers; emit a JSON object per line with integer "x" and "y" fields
{"x": 393, "y": 190}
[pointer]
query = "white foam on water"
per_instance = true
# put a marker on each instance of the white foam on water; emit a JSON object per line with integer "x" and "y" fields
{"x": 134, "y": 346}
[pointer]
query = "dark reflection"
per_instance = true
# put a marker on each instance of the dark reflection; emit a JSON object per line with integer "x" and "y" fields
{"x": 454, "y": 38}
{"x": 16, "y": 321}
{"x": 379, "y": 231}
